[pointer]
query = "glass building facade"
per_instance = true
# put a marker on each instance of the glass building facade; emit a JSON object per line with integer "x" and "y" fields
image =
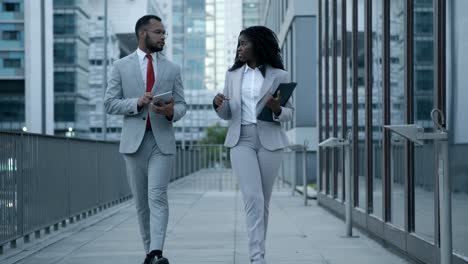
{"x": 12, "y": 52}
{"x": 250, "y": 13}
{"x": 390, "y": 62}
{"x": 188, "y": 40}
{"x": 71, "y": 73}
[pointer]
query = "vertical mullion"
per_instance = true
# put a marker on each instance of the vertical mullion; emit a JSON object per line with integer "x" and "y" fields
{"x": 335, "y": 98}
{"x": 387, "y": 192}
{"x": 344, "y": 105}
{"x": 327, "y": 102}
{"x": 439, "y": 88}
{"x": 368, "y": 96}
{"x": 409, "y": 95}
{"x": 355, "y": 102}
{"x": 320, "y": 159}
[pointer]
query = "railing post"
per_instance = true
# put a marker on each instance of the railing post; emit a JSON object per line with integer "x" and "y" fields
{"x": 445, "y": 201}
{"x": 304, "y": 171}
{"x": 294, "y": 176}
{"x": 348, "y": 199}
{"x": 220, "y": 168}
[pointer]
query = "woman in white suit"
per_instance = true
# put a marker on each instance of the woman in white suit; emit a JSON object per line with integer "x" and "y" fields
{"x": 256, "y": 146}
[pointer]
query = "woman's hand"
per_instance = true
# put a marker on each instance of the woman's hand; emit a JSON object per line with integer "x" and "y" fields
{"x": 274, "y": 104}
{"x": 219, "y": 99}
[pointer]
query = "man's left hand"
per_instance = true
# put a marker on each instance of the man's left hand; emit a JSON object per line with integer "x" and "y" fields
{"x": 274, "y": 103}
{"x": 167, "y": 109}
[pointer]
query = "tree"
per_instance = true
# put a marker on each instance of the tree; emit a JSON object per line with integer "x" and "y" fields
{"x": 214, "y": 135}
{"x": 212, "y": 144}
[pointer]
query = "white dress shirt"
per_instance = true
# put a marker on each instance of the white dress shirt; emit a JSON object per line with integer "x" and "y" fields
{"x": 252, "y": 81}
{"x": 144, "y": 64}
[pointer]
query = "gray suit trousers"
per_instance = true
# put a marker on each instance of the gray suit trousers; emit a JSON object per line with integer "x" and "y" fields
{"x": 256, "y": 169}
{"x": 148, "y": 172}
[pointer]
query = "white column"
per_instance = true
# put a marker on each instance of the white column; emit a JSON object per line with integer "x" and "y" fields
{"x": 36, "y": 75}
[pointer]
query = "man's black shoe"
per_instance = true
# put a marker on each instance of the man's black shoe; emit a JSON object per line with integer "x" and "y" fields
{"x": 161, "y": 260}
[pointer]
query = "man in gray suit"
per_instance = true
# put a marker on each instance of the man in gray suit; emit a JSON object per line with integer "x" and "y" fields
{"x": 148, "y": 141}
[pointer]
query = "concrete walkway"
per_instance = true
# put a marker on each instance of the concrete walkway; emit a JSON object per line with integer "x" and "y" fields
{"x": 207, "y": 225}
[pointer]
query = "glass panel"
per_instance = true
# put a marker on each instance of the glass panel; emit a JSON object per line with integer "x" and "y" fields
{"x": 339, "y": 105}
{"x": 377, "y": 107}
{"x": 322, "y": 107}
{"x": 330, "y": 92}
{"x": 361, "y": 104}
{"x": 459, "y": 127}
{"x": 397, "y": 110}
{"x": 423, "y": 103}
{"x": 349, "y": 70}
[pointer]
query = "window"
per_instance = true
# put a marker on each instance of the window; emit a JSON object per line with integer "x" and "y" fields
{"x": 64, "y": 81}
{"x": 64, "y": 53}
{"x": 64, "y": 112}
{"x": 424, "y": 52}
{"x": 64, "y": 24}
{"x": 10, "y": 35}
{"x": 423, "y": 108}
{"x": 423, "y": 23}
{"x": 11, "y": 63}
{"x": 424, "y": 80}
{"x": 11, "y": 7}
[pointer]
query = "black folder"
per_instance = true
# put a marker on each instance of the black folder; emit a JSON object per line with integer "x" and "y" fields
{"x": 286, "y": 91}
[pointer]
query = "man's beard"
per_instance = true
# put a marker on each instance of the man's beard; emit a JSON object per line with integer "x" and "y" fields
{"x": 152, "y": 48}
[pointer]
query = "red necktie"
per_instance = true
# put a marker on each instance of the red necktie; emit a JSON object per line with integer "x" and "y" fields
{"x": 149, "y": 82}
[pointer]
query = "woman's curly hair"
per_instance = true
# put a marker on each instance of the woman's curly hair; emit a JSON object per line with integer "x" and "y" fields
{"x": 265, "y": 47}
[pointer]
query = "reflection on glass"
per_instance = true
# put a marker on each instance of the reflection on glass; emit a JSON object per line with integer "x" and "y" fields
{"x": 459, "y": 127}
{"x": 322, "y": 107}
{"x": 339, "y": 106}
{"x": 397, "y": 110}
{"x": 349, "y": 72}
{"x": 361, "y": 104}
{"x": 377, "y": 107}
{"x": 423, "y": 104}
{"x": 330, "y": 92}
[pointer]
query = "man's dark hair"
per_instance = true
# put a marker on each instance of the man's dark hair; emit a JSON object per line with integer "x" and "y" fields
{"x": 144, "y": 21}
{"x": 265, "y": 47}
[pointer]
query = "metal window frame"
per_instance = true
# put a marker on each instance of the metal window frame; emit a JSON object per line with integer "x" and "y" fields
{"x": 355, "y": 104}
{"x": 386, "y": 190}
{"x": 319, "y": 102}
{"x": 405, "y": 240}
{"x": 409, "y": 97}
{"x": 368, "y": 101}
{"x": 334, "y": 97}
{"x": 439, "y": 15}
{"x": 344, "y": 76}
{"x": 327, "y": 91}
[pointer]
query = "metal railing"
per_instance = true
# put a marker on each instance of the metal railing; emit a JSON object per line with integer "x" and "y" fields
{"x": 298, "y": 170}
{"x": 46, "y": 181}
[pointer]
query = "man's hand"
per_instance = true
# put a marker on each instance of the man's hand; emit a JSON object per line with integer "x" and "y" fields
{"x": 274, "y": 104}
{"x": 144, "y": 100}
{"x": 167, "y": 109}
{"x": 219, "y": 99}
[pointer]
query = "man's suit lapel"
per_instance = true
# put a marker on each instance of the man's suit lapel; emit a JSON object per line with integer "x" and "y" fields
{"x": 161, "y": 71}
{"x": 137, "y": 71}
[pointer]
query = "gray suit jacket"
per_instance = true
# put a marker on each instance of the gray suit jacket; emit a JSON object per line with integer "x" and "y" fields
{"x": 126, "y": 84}
{"x": 271, "y": 134}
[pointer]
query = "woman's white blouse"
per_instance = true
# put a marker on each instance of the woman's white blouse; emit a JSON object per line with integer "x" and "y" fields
{"x": 252, "y": 81}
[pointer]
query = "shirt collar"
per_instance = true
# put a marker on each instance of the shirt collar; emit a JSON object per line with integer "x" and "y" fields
{"x": 247, "y": 68}
{"x": 261, "y": 68}
{"x": 142, "y": 55}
